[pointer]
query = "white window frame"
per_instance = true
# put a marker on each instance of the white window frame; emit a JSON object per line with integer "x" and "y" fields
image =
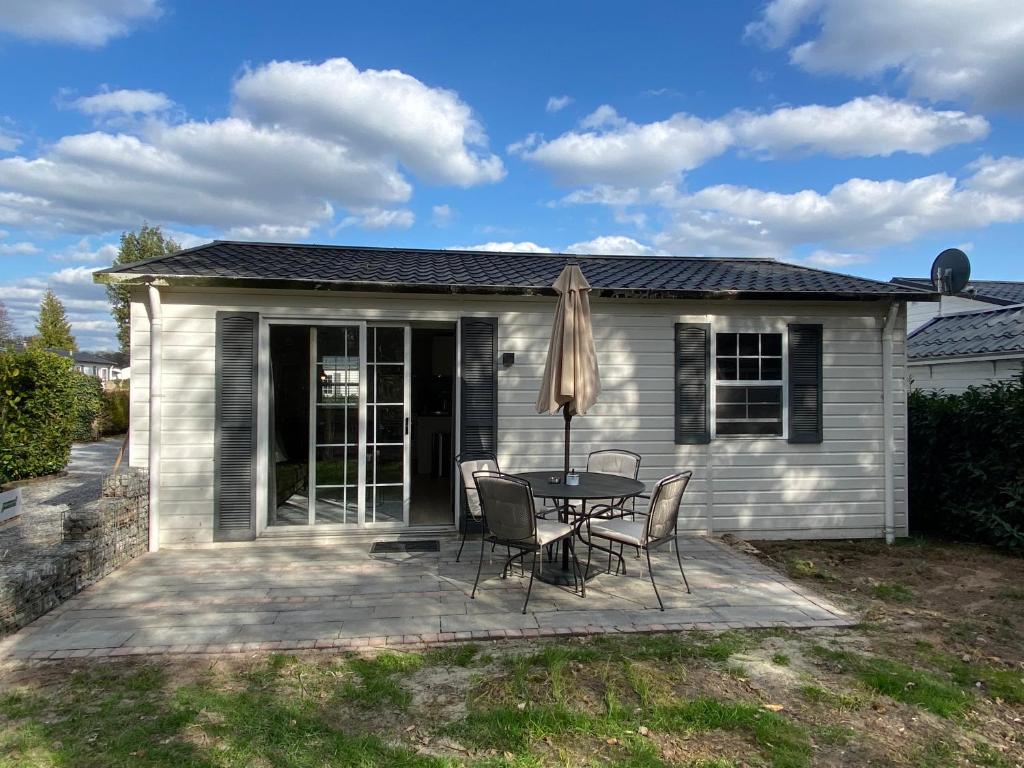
{"x": 713, "y": 395}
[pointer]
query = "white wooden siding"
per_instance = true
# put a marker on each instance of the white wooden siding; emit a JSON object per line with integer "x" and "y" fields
{"x": 920, "y": 312}
{"x": 955, "y": 376}
{"x": 754, "y": 487}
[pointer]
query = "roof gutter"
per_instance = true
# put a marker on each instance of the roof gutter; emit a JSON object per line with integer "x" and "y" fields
{"x": 888, "y": 421}
{"x": 262, "y": 283}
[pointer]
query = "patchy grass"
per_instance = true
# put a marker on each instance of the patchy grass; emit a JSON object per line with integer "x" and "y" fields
{"x": 808, "y": 569}
{"x": 893, "y": 593}
{"x": 781, "y": 659}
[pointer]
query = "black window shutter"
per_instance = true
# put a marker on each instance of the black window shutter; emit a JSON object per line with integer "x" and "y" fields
{"x": 235, "y": 432}
{"x": 479, "y": 423}
{"x": 693, "y": 367}
{"x": 805, "y": 385}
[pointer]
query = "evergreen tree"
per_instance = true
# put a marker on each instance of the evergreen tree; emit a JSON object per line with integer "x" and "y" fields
{"x": 147, "y": 243}
{"x": 8, "y": 334}
{"x": 53, "y": 326}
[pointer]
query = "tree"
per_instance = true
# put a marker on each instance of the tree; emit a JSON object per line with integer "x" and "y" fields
{"x": 53, "y": 326}
{"x": 8, "y": 334}
{"x": 149, "y": 242}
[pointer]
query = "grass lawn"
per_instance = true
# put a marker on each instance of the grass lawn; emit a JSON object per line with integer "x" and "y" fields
{"x": 934, "y": 677}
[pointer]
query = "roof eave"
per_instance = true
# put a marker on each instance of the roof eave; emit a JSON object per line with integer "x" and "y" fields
{"x": 120, "y": 278}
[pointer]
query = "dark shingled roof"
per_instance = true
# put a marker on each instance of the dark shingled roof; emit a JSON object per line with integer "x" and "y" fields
{"x": 408, "y": 269}
{"x": 965, "y": 334}
{"x": 1000, "y": 292}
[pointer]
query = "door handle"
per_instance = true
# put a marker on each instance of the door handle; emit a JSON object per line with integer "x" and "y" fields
{"x": 406, "y": 425}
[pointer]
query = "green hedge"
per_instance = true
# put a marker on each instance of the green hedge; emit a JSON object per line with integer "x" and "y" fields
{"x": 114, "y": 418}
{"x": 88, "y": 406}
{"x": 967, "y": 464}
{"x": 44, "y": 404}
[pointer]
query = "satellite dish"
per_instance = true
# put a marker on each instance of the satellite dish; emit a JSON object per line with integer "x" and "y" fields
{"x": 950, "y": 271}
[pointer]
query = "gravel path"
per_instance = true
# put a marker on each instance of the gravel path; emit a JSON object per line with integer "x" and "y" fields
{"x": 45, "y": 502}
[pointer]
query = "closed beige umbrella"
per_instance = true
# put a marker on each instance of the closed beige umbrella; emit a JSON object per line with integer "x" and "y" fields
{"x": 571, "y": 379}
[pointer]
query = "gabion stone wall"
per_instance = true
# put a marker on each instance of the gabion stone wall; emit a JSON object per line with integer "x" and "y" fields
{"x": 98, "y": 537}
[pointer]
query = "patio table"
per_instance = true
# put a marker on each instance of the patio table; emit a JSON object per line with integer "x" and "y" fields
{"x": 593, "y": 485}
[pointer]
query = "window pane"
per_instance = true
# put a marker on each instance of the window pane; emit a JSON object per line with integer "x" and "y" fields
{"x": 337, "y": 505}
{"x": 732, "y": 394}
{"x": 771, "y": 344}
{"x": 765, "y": 411}
{"x": 389, "y": 464}
{"x": 748, "y": 343}
{"x": 727, "y": 411}
{"x": 727, "y": 368}
{"x": 764, "y": 394}
{"x": 336, "y": 466}
{"x": 387, "y": 506}
{"x": 748, "y": 369}
{"x": 726, "y": 343}
{"x": 771, "y": 368}
{"x": 390, "y": 383}
{"x": 330, "y": 424}
{"x": 389, "y": 345}
{"x": 390, "y": 419}
{"x": 750, "y": 429}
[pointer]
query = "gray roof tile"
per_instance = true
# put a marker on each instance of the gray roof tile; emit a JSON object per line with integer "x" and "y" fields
{"x": 964, "y": 334}
{"x": 406, "y": 269}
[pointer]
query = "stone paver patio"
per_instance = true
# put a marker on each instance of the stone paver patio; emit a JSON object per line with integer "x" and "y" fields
{"x": 274, "y": 595}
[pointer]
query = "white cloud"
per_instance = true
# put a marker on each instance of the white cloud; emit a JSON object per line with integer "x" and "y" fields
{"x": 612, "y": 245}
{"x": 124, "y": 102}
{"x": 88, "y": 23}
{"x": 83, "y": 252}
{"x": 608, "y": 152}
{"x": 16, "y": 249}
{"x": 558, "y": 103}
{"x": 834, "y": 260}
{"x": 611, "y": 150}
{"x": 505, "y": 247}
{"x": 8, "y": 143}
{"x": 285, "y": 159}
{"x": 380, "y": 218}
{"x": 998, "y": 174}
{"x": 858, "y": 214}
{"x": 376, "y": 112}
{"x": 874, "y": 125}
{"x": 264, "y": 233}
{"x": 441, "y": 215}
{"x": 940, "y": 50}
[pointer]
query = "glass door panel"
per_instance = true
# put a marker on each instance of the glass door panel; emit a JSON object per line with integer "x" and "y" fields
{"x": 335, "y": 459}
{"x": 387, "y": 424}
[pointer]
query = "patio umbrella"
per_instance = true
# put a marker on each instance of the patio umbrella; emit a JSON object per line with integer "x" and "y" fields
{"x": 571, "y": 380}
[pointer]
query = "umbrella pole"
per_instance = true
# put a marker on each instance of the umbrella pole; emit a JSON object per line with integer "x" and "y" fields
{"x": 568, "y": 421}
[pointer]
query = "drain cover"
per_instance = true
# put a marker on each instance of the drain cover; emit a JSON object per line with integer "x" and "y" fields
{"x": 421, "y": 545}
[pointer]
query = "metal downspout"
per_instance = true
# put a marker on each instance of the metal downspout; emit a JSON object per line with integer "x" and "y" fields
{"x": 888, "y": 427}
{"x": 156, "y": 323}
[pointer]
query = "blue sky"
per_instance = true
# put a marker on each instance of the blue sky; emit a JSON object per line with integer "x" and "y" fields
{"x": 862, "y": 137}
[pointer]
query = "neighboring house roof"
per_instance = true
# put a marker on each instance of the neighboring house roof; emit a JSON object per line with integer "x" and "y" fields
{"x": 1001, "y": 292}
{"x": 408, "y": 269}
{"x": 968, "y": 334}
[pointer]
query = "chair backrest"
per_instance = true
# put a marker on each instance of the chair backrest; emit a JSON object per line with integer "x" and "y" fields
{"x": 508, "y": 507}
{"x": 663, "y": 514}
{"x": 467, "y": 466}
{"x": 614, "y": 461}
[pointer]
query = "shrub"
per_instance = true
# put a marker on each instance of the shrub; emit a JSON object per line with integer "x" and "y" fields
{"x": 114, "y": 418}
{"x": 966, "y": 464}
{"x": 86, "y": 406}
{"x": 43, "y": 404}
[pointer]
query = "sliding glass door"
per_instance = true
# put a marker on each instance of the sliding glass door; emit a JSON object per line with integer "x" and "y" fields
{"x": 341, "y": 452}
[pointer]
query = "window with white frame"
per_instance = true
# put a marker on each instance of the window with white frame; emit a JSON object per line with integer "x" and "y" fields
{"x": 748, "y": 384}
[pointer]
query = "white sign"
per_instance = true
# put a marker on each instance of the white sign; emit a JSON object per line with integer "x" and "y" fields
{"x": 10, "y": 505}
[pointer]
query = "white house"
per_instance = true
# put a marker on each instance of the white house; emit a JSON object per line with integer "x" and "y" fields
{"x": 291, "y": 390}
{"x": 952, "y": 352}
{"x": 977, "y": 294}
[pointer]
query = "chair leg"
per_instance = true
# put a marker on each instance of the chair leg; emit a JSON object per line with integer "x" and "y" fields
{"x": 529, "y": 588}
{"x": 650, "y": 572}
{"x": 576, "y": 569}
{"x": 480, "y": 565}
{"x": 465, "y": 532}
{"x": 679, "y": 560}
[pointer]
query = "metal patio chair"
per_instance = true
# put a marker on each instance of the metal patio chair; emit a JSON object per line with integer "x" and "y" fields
{"x": 467, "y": 464}
{"x": 658, "y": 526}
{"x": 510, "y": 520}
